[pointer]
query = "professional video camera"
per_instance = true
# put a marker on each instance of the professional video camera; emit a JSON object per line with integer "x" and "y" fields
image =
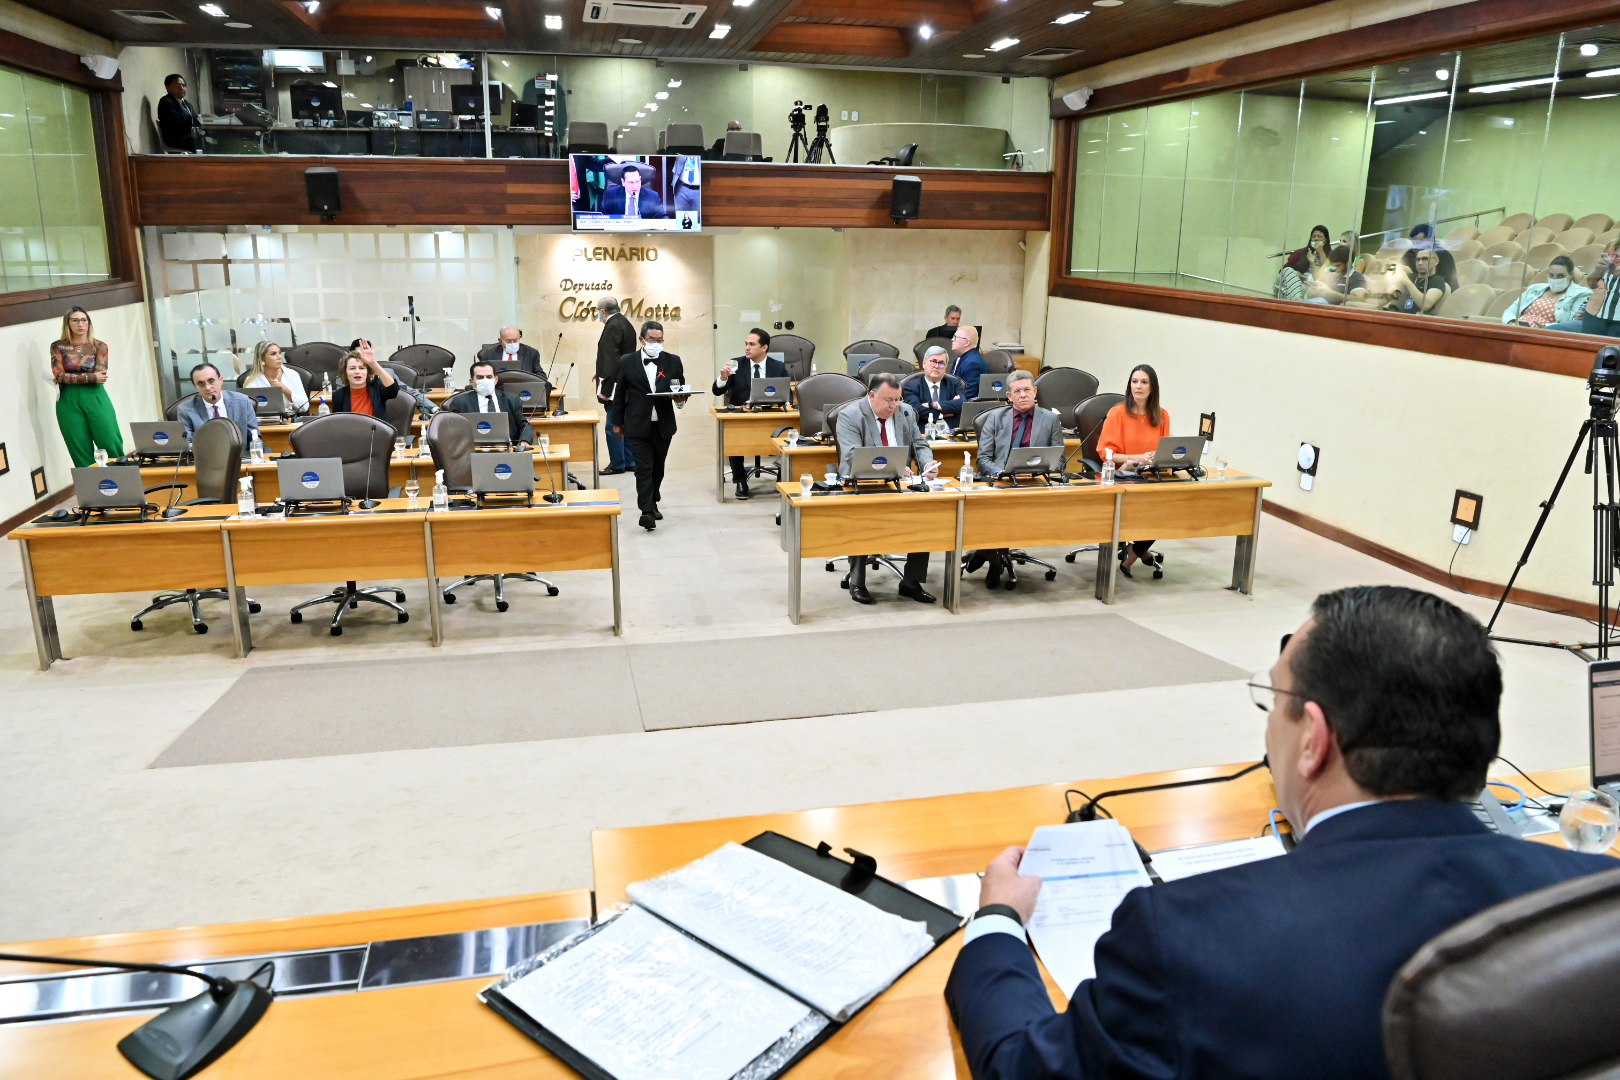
{"x": 1604, "y": 382}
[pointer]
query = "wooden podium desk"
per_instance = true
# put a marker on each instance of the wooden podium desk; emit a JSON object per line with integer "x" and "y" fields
{"x": 747, "y": 433}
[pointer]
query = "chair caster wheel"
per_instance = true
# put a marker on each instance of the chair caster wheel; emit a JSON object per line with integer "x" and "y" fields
{"x": 1069, "y": 558}
{"x": 831, "y": 568}
{"x": 1051, "y": 575}
{"x": 337, "y": 631}
{"x": 399, "y": 597}
{"x": 254, "y": 609}
{"x": 500, "y": 605}
{"x": 354, "y": 605}
{"x": 201, "y": 627}
{"x": 449, "y": 597}
{"x": 404, "y": 616}
{"x": 296, "y": 617}
{"x": 779, "y": 519}
{"x": 552, "y": 590}
{"x": 844, "y": 584}
{"x": 135, "y": 624}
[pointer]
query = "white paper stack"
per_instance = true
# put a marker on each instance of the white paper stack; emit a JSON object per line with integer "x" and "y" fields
{"x": 1086, "y": 869}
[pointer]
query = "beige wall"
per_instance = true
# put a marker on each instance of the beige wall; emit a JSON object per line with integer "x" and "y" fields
{"x": 28, "y": 397}
{"x": 901, "y": 281}
{"x": 144, "y": 67}
{"x": 1399, "y": 432}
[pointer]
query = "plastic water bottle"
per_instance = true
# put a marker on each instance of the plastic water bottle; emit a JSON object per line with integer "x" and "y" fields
{"x": 441, "y": 494}
{"x": 1108, "y": 467}
{"x": 256, "y": 448}
{"x": 245, "y": 502}
{"x": 965, "y": 475}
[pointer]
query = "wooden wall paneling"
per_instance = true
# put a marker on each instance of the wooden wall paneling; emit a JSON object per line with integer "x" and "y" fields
{"x": 27, "y": 54}
{"x": 833, "y": 39}
{"x": 849, "y": 196}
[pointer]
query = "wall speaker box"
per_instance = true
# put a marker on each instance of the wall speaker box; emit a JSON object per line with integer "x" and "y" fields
{"x": 905, "y": 201}
{"x": 321, "y": 185}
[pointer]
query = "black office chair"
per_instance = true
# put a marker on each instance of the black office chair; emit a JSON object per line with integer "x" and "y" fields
{"x": 1061, "y": 389}
{"x": 173, "y": 410}
{"x": 902, "y": 159}
{"x": 798, "y": 353}
{"x": 1088, "y": 421}
{"x": 925, "y": 344}
{"x": 1000, "y": 362}
{"x": 821, "y": 392}
{"x": 871, "y": 346}
{"x": 364, "y": 444}
{"x": 407, "y": 376}
{"x": 872, "y": 561}
{"x": 216, "y": 450}
{"x": 1524, "y": 990}
{"x": 450, "y": 441}
{"x": 320, "y": 358}
{"x": 532, "y": 391}
{"x": 428, "y": 361}
{"x": 887, "y": 365}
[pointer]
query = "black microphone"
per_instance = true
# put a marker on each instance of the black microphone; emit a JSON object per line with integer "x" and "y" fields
{"x": 371, "y": 439}
{"x": 563, "y": 400}
{"x": 190, "y": 1035}
{"x": 553, "y": 497}
{"x": 1089, "y": 809}
{"x": 552, "y": 366}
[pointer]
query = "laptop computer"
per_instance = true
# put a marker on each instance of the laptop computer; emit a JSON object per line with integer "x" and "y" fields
{"x": 878, "y": 462}
{"x": 775, "y": 390}
{"x": 530, "y": 395}
{"x": 267, "y": 400}
{"x": 109, "y": 487}
{"x": 1604, "y": 679}
{"x": 1034, "y": 460}
{"x": 1179, "y": 452}
{"x": 503, "y": 473}
{"x": 154, "y": 438}
{"x": 993, "y": 385}
{"x": 310, "y": 479}
{"x": 971, "y": 410}
{"x": 855, "y": 361}
{"x": 491, "y": 430}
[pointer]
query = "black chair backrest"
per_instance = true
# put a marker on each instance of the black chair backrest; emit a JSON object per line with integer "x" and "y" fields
{"x": 1525, "y": 990}
{"x": 892, "y": 365}
{"x": 319, "y": 358}
{"x": 832, "y": 428}
{"x": 980, "y": 420}
{"x": 1000, "y": 362}
{"x": 173, "y": 411}
{"x": 403, "y": 372}
{"x": 1088, "y": 421}
{"x": 428, "y": 361}
{"x": 363, "y": 443}
{"x": 797, "y": 354}
{"x": 532, "y": 391}
{"x": 1062, "y": 389}
{"x": 907, "y": 154}
{"x": 450, "y": 441}
{"x": 216, "y": 448}
{"x": 925, "y": 344}
{"x": 872, "y": 346}
{"x": 819, "y": 392}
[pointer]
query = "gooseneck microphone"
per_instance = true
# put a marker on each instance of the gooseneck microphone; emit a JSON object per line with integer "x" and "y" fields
{"x": 554, "y": 497}
{"x": 368, "y": 502}
{"x": 563, "y": 400}
{"x": 552, "y": 366}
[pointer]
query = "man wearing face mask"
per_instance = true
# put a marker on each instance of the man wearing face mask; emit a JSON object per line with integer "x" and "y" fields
{"x": 1557, "y": 300}
{"x": 510, "y": 353}
{"x": 487, "y": 397}
{"x": 647, "y": 423}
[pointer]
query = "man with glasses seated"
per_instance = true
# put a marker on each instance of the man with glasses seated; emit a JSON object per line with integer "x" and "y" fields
{"x": 1381, "y": 716}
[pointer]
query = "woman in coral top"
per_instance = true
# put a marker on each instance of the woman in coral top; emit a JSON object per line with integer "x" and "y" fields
{"x": 367, "y": 385}
{"x": 1132, "y": 430}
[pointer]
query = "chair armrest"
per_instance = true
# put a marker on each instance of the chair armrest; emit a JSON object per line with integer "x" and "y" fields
{"x": 783, "y": 430}
{"x": 200, "y": 502}
{"x": 162, "y": 487}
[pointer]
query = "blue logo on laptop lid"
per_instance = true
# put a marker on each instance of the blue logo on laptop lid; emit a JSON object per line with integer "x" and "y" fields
{"x": 262, "y": 399}
{"x": 311, "y": 479}
{"x": 1179, "y": 452}
{"x": 160, "y": 436}
{"x": 524, "y": 395}
{"x": 484, "y": 428}
{"x": 502, "y": 471}
{"x": 878, "y": 462}
{"x": 107, "y": 487}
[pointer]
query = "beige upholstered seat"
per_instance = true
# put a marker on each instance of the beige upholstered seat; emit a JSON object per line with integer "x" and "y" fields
{"x": 1496, "y": 235}
{"x": 1505, "y": 252}
{"x": 1509, "y": 275}
{"x": 1472, "y": 271}
{"x": 1575, "y": 237}
{"x": 1534, "y": 237}
{"x": 1586, "y": 258}
{"x": 1556, "y": 222}
{"x": 1519, "y": 222}
{"x": 1598, "y": 223}
{"x": 1540, "y": 256}
{"x": 1467, "y": 249}
{"x": 1463, "y": 232}
{"x": 1503, "y": 301}
{"x": 1466, "y": 301}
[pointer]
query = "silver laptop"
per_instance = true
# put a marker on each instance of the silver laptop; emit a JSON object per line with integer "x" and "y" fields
{"x": 773, "y": 390}
{"x": 509, "y": 473}
{"x": 855, "y": 361}
{"x": 1604, "y": 678}
{"x": 153, "y": 437}
{"x": 530, "y": 395}
{"x": 879, "y": 462}
{"x": 267, "y": 400}
{"x": 993, "y": 385}
{"x": 310, "y": 479}
{"x": 109, "y": 487}
{"x": 1179, "y": 452}
{"x": 971, "y": 410}
{"x": 491, "y": 429}
{"x": 1034, "y": 460}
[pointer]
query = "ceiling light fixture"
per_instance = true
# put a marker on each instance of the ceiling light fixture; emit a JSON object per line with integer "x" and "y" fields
{"x": 1003, "y": 43}
{"x": 240, "y": 25}
{"x": 662, "y": 95}
{"x": 1412, "y": 97}
{"x": 674, "y": 84}
{"x": 1069, "y": 17}
{"x": 368, "y": 59}
{"x": 633, "y": 123}
{"x": 312, "y": 6}
{"x": 720, "y": 30}
{"x": 493, "y": 12}
{"x": 973, "y": 56}
{"x": 553, "y": 22}
{"x": 1502, "y": 88}
{"x": 1598, "y": 97}
{"x": 742, "y": 3}
{"x": 1604, "y": 74}
{"x": 212, "y": 9}
{"x": 1442, "y": 74}
{"x": 1589, "y": 49}
{"x": 925, "y": 31}
{"x": 640, "y": 115}
{"x": 1106, "y": 3}
{"x": 329, "y": 82}
{"x": 629, "y": 41}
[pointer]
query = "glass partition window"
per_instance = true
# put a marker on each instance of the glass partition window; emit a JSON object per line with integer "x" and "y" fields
{"x": 1472, "y": 184}
{"x": 53, "y": 227}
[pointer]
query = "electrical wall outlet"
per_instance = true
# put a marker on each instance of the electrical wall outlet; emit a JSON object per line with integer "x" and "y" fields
{"x": 855, "y": 115}
{"x": 843, "y": 114}
{"x": 1461, "y": 534}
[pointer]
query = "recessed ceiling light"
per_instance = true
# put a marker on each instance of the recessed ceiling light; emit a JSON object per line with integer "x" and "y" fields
{"x": 1598, "y": 97}
{"x": 312, "y": 6}
{"x": 212, "y": 9}
{"x": 633, "y": 123}
{"x": 1502, "y": 88}
{"x": 720, "y": 30}
{"x": 925, "y": 31}
{"x": 973, "y": 56}
{"x": 1002, "y": 43}
{"x": 640, "y": 115}
{"x": 1604, "y": 74}
{"x": 662, "y": 95}
{"x": 368, "y": 60}
{"x": 240, "y": 25}
{"x": 1589, "y": 49}
{"x": 674, "y": 84}
{"x": 1442, "y": 74}
{"x": 553, "y": 22}
{"x": 741, "y": 3}
{"x": 328, "y": 82}
{"x": 1107, "y": 3}
{"x": 1411, "y": 97}
{"x": 629, "y": 41}
{"x": 651, "y": 107}
{"x": 1066, "y": 19}
{"x": 493, "y": 12}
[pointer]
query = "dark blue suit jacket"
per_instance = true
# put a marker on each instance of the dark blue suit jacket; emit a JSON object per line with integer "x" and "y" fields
{"x": 649, "y": 202}
{"x": 742, "y": 378}
{"x": 950, "y": 399}
{"x": 1276, "y": 969}
{"x": 969, "y": 366}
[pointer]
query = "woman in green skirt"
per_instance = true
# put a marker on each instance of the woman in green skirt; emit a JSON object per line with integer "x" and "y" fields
{"x": 84, "y": 412}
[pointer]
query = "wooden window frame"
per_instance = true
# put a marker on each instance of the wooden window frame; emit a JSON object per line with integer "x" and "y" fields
{"x": 1480, "y": 22}
{"x": 123, "y": 286}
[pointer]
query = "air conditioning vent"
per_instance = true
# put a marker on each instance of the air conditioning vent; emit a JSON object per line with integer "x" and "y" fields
{"x": 1050, "y": 54}
{"x": 154, "y": 18}
{"x": 642, "y": 13}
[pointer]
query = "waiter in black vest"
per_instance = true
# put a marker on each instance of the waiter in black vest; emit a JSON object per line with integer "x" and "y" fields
{"x": 647, "y": 423}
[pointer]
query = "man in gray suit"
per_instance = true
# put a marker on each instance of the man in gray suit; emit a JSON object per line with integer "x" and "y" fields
{"x": 214, "y": 400}
{"x": 1023, "y": 423}
{"x": 883, "y": 419}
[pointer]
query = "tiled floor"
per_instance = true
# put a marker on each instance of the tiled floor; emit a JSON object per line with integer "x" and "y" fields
{"x": 94, "y": 840}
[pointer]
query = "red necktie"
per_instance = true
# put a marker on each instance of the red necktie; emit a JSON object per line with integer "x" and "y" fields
{"x": 883, "y": 432}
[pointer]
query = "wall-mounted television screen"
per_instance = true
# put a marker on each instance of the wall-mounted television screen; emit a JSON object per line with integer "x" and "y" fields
{"x": 636, "y": 193}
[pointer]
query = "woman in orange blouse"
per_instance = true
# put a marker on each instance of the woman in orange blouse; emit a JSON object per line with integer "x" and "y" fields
{"x": 1132, "y": 430}
{"x": 84, "y": 412}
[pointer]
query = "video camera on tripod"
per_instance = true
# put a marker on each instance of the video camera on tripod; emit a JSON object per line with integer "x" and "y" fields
{"x": 821, "y": 145}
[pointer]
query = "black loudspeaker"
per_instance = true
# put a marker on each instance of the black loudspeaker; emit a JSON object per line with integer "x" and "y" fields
{"x": 321, "y": 185}
{"x": 905, "y": 203}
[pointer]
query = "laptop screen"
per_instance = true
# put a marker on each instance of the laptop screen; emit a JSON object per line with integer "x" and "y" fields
{"x": 1605, "y": 679}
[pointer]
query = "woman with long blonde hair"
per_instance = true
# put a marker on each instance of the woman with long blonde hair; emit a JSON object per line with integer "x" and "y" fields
{"x": 84, "y": 412}
{"x": 268, "y": 369}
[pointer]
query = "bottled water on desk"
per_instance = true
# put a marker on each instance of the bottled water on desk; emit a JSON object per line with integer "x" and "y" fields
{"x": 441, "y": 494}
{"x": 256, "y": 448}
{"x": 1108, "y": 468}
{"x": 245, "y": 501}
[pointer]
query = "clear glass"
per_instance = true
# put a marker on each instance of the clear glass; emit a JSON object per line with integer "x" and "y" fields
{"x": 413, "y": 488}
{"x": 1220, "y": 466}
{"x": 832, "y": 473}
{"x": 806, "y": 482}
{"x": 101, "y": 456}
{"x": 399, "y": 447}
{"x": 545, "y": 441}
{"x": 1590, "y": 821}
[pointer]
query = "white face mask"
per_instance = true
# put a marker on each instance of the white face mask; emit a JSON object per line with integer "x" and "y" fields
{"x": 652, "y": 349}
{"x": 486, "y": 387}
{"x": 1558, "y": 284}
{"x": 511, "y": 348}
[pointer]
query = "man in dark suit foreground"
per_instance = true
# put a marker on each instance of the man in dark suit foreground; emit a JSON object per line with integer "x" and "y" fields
{"x": 646, "y": 423}
{"x": 1382, "y": 714}
{"x": 737, "y": 380}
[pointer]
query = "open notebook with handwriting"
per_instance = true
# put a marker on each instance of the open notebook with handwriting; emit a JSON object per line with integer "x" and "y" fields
{"x": 731, "y": 967}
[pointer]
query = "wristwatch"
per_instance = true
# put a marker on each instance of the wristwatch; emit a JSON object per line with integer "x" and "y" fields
{"x": 999, "y": 909}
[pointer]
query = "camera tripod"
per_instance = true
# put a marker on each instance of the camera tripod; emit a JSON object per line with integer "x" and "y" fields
{"x": 798, "y": 142}
{"x": 821, "y": 145}
{"x": 1600, "y": 437}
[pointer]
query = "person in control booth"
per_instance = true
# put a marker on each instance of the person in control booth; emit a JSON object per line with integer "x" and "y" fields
{"x": 1132, "y": 430}
{"x": 736, "y": 379}
{"x": 628, "y": 193}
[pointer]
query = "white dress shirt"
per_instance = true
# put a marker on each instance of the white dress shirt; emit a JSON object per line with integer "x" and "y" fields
{"x": 487, "y": 403}
{"x": 650, "y": 366}
{"x": 886, "y": 429}
{"x": 297, "y": 396}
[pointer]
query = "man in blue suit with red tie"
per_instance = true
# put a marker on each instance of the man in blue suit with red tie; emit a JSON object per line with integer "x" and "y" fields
{"x": 1382, "y": 715}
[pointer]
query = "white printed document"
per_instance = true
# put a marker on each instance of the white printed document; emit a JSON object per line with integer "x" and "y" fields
{"x": 829, "y": 948}
{"x": 1178, "y": 863}
{"x": 1086, "y": 869}
{"x": 645, "y": 1002}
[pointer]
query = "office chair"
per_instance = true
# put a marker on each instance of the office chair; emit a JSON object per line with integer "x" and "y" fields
{"x": 1088, "y": 421}
{"x": 872, "y": 561}
{"x": 821, "y": 392}
{"x": 999, "y": 362}
{"x": 365, "y": 445}
{"x": 172, "y": 412}
{"x": 532, "y": 391}
{"x": 743, "y": 146}
{"x": 684, "y": 139}
{"x": 586, "y": 137}
{"x": 890, "y": 365}
{"x": 903, "y": 159}
{"x": 925, "y": 344}
{"x": 1062, "y": 389}
{"x": 216, "y": 450}
{"x": 429, "y": 361}
{"x": 400, "y": 412}
{"x": 321, "y": 358}
{"x": 798, "y": 353}
{"x": 1523, "y": 990}
{"x": 1016, "y": 557}
{"x": 872, "y": 346}
{"x": 408, "y": 376}
{"x": 450, "y": 441}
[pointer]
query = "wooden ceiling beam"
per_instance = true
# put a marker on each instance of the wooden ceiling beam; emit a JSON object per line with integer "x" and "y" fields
{"x": 940, "y": 14}
{"x": 827, "y": 39}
